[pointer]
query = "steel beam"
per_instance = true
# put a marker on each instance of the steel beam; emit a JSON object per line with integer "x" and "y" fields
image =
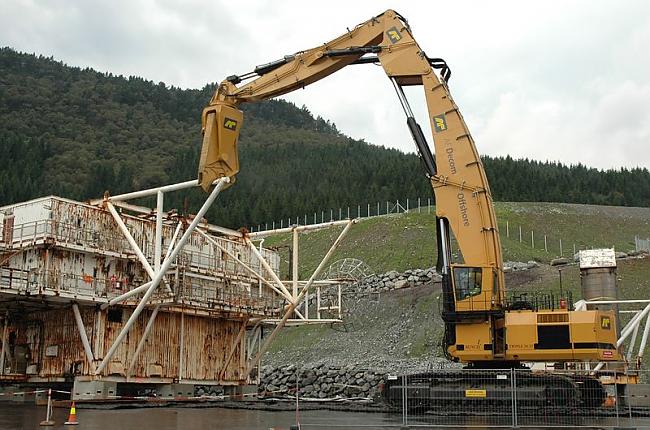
{"x": 159, "y": 275}
{"x": 152, "y": 191}
{"x": 269, "y": 269}
{"x": 244, "y": 265}
{"x": 143, "y": 339}
{"x": 294, "y": 264}
{"x": 300, "y": 228}
{"x": 644, "y": 338}
{"x": 292, "y": 306}
{"x": 128, "y": 294}
{"x": 84, "y": 336}
{"x": 127, "y": 234}
{"x": 157, "y": 252}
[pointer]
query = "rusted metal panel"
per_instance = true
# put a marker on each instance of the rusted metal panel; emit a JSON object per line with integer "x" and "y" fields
{"x": 61, "y": 250}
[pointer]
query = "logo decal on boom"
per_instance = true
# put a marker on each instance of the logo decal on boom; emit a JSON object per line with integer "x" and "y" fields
{"x": 230, "y": 124}
{"x": 439, "y": 123}
{"x": 605, "y": 323}
{"x": 393, "y": 35}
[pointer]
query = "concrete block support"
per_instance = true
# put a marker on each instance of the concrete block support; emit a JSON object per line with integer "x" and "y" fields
{"x": 169, "y": 391}
{"x": 93, "y": 390}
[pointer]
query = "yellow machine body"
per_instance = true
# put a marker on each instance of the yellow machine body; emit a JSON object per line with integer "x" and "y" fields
{"x": 479, "y": 325}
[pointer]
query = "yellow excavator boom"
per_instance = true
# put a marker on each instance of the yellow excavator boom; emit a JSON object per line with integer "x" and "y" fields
{"x": 479, "y": 326}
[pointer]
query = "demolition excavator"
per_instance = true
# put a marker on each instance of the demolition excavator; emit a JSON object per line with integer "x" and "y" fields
{"x": 481, "y": 329}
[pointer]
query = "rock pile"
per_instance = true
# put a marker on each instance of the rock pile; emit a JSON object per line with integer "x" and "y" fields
{"x": 319, "y": 382}
{"x": 394, "y": 280}
{"x": 517, "y": 266}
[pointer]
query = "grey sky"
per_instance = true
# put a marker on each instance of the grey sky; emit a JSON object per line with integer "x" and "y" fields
{"x": 564, "y": 80}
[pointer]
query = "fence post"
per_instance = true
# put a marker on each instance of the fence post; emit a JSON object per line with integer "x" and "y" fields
{"x": 574, "y": 249}
{"x": 368, "y": 210}
{"x": 532, "y": 239}
{"x": 519, "y": 233}
{"x": 407, "y": 205}
{"x": 386, "y": 208}
{"x": 545, "y": 247}
{"x": 561, "y": 254}
{"x": 428, "y": 205}
{"x": 348, "y": 212}
{"x": 404, "y": 400}
{"x": 378, "y": 209}
{"x": 340, "y": 214}
{"x": 507, "y": 229}
{"x": 358, "y": 211}
{"x": 513, "y": 396}
{"x": 331, "y": 214}
{"x": 397, "y": 205}
{"x": 418, "y": 205}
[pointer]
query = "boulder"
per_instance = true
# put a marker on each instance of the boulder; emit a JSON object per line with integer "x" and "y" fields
{"x": 560, "y": 261}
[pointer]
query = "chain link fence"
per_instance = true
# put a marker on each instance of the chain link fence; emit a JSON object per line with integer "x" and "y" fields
{"x": 467, "y": 398}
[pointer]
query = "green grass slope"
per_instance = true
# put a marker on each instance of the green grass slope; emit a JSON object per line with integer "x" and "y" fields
{"x": 406, "y": 241}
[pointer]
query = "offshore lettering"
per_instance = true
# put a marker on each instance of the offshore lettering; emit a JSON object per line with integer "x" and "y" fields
{"x": 462, "y": 204}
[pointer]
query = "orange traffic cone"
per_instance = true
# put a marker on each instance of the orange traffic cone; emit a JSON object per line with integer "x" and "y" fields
{"x": 72, "y": 418}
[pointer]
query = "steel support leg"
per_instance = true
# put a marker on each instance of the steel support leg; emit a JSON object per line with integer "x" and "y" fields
{"x": 84, "y": 336}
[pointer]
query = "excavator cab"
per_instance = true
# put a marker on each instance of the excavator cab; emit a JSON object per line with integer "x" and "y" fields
{"x": 219, "y": 157}
{"x": 473, "y": 287}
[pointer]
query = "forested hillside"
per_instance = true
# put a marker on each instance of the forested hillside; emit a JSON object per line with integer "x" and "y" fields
{"x": 76, "y": 132}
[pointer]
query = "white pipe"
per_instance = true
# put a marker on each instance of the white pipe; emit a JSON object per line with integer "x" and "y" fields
{"x": 244, "y": 265}
{"x": 127, "y": 234}
{"x": 126, "y": 295}
{"x": 632, "y": 342}
{"x": 300, "y": 228}
{"x": 294, "y": 264}
{"x": 174, "y": 237}
{"x": 143, "y": 339}
{"x": 629, "y": 328}
{"x": 168, "y": 261}
{"x": 269, "y": 269}
{"x": 633, "y": 323}
{"x": 613, "y": 302}
{"x": 152, "y": 191}
{"x": 644, "y": 338}
{"x": 157, "y": 252}
{"x": 82, "y": 333}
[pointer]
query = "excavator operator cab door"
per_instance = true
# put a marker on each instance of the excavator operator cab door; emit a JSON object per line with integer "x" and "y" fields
{"x": 474, "y": 287}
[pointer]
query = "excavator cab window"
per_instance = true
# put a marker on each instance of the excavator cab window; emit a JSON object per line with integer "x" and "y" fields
{"x": 467, "y": 281}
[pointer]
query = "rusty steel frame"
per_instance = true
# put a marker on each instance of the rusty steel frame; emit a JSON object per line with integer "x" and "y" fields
{"x": 233, "y": 348}
{"x": 244, "y": 265}
{"x": 293, "y": 305}
{"x": 143, "y": 287}
{"x": 159, "y": 274}
{"x": 154, "y": 314}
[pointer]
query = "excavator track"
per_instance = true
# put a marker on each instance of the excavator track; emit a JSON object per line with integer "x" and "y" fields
{"x": 445, "y": 391}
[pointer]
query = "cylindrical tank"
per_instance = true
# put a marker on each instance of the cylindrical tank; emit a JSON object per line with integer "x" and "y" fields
{"x": 598, "y": 279}
{"x": 599, "y": 283}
